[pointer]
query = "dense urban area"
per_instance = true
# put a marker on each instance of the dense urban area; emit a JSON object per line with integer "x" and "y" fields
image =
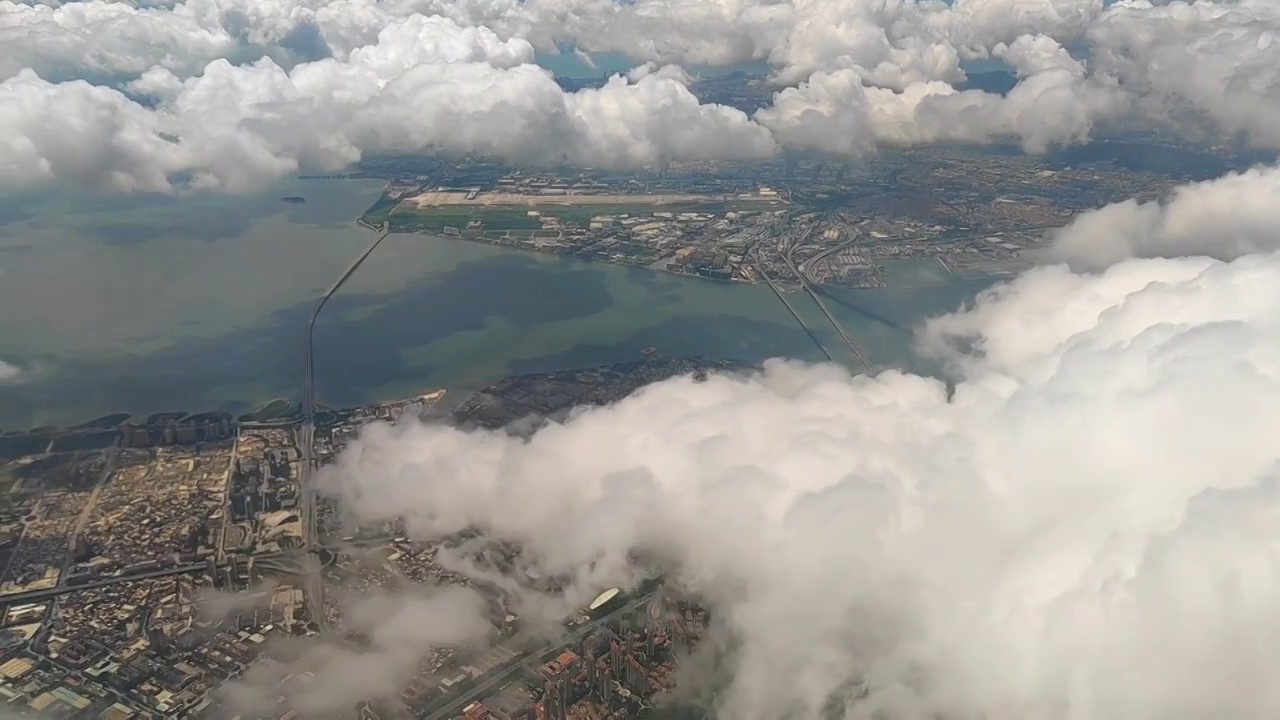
{"x": 155, "y": 567}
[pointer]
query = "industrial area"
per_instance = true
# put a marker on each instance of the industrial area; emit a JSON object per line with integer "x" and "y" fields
{"x": 974, "y": 213}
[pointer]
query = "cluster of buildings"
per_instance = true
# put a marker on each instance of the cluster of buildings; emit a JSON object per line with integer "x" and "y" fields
{"x": 146, "y": 498}
{"x": 16, "y": 445}
{"x": 175, "y": 429}
{"x": 108, "y": 557}
{"x": 617, "y": 653}
{"x": 159, "y": 507}
{"x": 38, "y": 558}
{"x": 47, "y": 500}
{"x": 612, "y": 668}
{"x": 137, "y": 649}
{"x": 262, "y": 514}
{"x": 137, "y": 548}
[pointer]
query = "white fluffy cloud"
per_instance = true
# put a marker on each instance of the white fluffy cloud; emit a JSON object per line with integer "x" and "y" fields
{"x": 426, "y": 84}
{"x": 1206, "y": 60}
{"x": 895, "y": 42}
{"x": 76, "y": 132}
{"x": 1223, "y": 218}
{"x": 333, "y": 80}
{"x": 1035, "y": 543}
{"x": 1054, "y": 102}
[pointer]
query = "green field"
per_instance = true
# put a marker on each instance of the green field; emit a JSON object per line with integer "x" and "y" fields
{"x": 516, "y": 217}
{"x": 434, "y": 219}
{"x": 380, "y": 211}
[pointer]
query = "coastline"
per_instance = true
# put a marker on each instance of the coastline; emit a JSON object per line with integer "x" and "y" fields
{"x": 785, "y": 284}
{"x": 603, "y": 381}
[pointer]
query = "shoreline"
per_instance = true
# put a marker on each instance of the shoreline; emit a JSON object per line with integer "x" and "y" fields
{"x": 82, "y": 436}
{"x": 786, "y": 285}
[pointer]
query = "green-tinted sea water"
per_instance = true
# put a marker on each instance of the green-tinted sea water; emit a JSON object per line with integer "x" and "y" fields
{"x": 146, "y": 303}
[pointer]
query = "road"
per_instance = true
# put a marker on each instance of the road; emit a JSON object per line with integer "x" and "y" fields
{"x": 314, "y": 586}
{"x": 791, "y": 308}
{"x": 503, "y": 675}
{"x": 53, "y": 592}
{"x": 306, "y": 434}
{"x": 808, "y": 264}
{"x": 314, "y": 590}
{"x": 276, "y": 561}
{"x": 82, "y": 521}
{"x": 220, "y": 553}
{"x": 813, "y": 293}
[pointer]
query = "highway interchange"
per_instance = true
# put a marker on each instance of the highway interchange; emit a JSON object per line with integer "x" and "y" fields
{"x": 801, "y": 273}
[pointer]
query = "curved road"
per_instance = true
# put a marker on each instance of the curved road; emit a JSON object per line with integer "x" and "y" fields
{"x": 809, "y": 288}
{"x": 823, "y": 255}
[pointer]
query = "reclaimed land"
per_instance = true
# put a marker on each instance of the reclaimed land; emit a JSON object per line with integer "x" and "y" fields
{"x": 571, "y": 211}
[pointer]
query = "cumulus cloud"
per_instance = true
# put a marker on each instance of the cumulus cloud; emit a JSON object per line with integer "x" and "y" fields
{"x": 674, "y": 72}
{"x": 1224, "y": 218}
{"x": 1214, "y": 61}
{"x": 427, "y": 84}
{"x": 1055, "y": 102}
{"x": 894, "y": 42}
{"x": 332, "y": 81}
{"x": 9, "y": 372}
{"x": 890, "y": 44}
{"x": 1033, "y": 541}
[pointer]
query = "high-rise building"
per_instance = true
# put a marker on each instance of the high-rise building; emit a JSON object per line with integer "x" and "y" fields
{"x": 606, "y": 690}
{"x": 562, "y": 696}
{"x": 615, "y": 659}
{"x": 637, "y": 677}
{"x": 551, "y": 699}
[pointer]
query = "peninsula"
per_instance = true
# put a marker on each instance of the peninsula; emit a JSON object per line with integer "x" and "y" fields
{"x": 825, "y": 221}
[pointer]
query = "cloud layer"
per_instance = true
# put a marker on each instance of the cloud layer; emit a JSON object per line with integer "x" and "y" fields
{"x": 1034, "y": 543}
{"x": 230, "y": 94}
{"x": 427, "y": 84}
{"x": 1225, "y": 218}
